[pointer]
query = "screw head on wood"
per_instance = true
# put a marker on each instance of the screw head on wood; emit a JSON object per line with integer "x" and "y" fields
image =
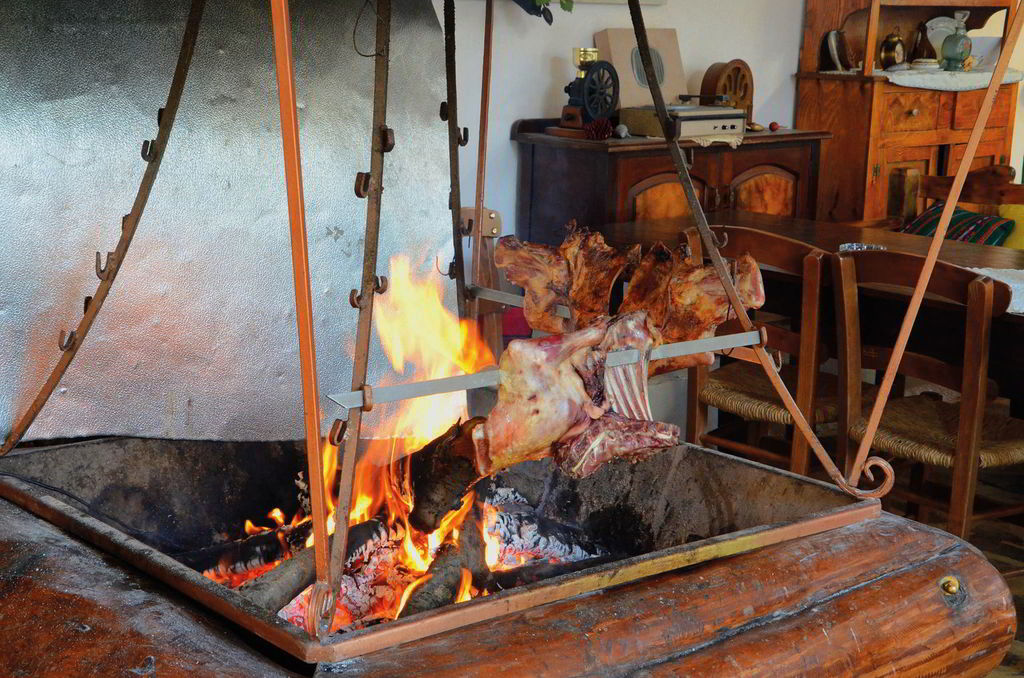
{"x": 950, "y": 585}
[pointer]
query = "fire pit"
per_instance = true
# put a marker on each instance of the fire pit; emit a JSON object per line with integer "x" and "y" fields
{"x": 678, "y": 508}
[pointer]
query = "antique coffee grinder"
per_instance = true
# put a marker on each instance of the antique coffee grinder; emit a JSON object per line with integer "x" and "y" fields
{"x": 593, "y": 98}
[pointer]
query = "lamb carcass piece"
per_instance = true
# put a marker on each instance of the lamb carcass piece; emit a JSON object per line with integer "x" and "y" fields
{"x": 613, "y": 437}
{"x": 594, "y": 267}
{"x": 553, "y": 390}
{"x": 625, "y": 386}
{"x": 648, "y": 288}
{"x": 543, "y": 273}
{"x": 698, "y": 305}
{"x": 541, "y": 399}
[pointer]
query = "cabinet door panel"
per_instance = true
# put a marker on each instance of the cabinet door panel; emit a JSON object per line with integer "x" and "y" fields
{"x": 924, "y": 159}
{"x": 662, "y": 197}
{"x": 765, "y": 189}
{"x": 989, "y": 153}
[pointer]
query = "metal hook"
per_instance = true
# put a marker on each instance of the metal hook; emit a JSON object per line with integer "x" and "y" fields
{"x": 355, "y": 299}
{"x": 149, "y": 150}
{"x": 337, "y": 433}
{"x": 103, "y": 272}
{"x": 380, "y": 284}
{"x": 464, "y": 136}
{"x": 443, "y": 112}
{"x": 362, "y": 187}
{"x": 66, "y": 340}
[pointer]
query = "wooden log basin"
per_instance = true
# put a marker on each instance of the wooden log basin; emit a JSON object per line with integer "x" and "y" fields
{"x": 863, "y": 600}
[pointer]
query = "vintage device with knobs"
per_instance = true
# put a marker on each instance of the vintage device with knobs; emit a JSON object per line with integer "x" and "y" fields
{"x": 593, "y": 95}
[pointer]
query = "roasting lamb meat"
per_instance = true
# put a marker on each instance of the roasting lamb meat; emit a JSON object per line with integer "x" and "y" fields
{"x": 543, "y": 273}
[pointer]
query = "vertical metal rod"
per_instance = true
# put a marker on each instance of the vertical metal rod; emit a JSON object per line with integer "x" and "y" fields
{"x": 481, "y": 153}
{"x": 165, "y": 121}
{"x": 1009, "y": 43}
{"x": 799, "y": 421}
{"x": 454, "y": 135}
{"x": 367, "y": 290}
{"x": 281, "y": 23}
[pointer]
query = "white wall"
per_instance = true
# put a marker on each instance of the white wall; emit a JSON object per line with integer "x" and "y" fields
{"x": 532, "y": 63}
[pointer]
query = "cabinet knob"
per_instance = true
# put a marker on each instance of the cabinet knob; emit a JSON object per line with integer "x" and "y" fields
{"x": 914, "y": 112}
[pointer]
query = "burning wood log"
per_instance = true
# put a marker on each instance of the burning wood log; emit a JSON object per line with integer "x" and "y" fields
{"x": 280, "y": 585}
{"x": 446, "y": 571}
{"x": 223, "y": 561}
{"x": 441, "y": 473}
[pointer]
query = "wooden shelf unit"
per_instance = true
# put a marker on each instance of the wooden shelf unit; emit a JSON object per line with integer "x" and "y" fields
{"x": 877, "y": 126}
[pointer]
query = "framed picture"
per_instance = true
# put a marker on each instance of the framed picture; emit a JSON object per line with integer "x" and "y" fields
{"x": 618, "y": 45}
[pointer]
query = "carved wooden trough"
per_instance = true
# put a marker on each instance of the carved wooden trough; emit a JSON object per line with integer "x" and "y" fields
{"x": 728, "y": 564}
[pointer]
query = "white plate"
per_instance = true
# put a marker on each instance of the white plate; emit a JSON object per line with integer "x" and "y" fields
{"x": 939, "y": 29}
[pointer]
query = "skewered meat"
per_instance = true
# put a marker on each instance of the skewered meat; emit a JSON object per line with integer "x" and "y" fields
{"x": 541, "y": 399}
{"x": 593, "y": 269}
{"x": 553, "y": 390}
{"x": 698, "y": 305}
{"x": 625, "y": 386}
{"x": 613, "y": 437}
{"x": 648, "y": 288}
{"x": 543, "y": 273}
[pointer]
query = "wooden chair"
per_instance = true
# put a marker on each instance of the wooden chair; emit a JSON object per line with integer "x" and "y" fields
{"x": 741, "y": 387}
{"x": 910, "y": 192}
{"x": 964, "y": 436}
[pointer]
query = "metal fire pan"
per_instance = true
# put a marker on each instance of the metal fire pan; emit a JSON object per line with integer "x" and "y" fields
{"x": 839, "y": 510}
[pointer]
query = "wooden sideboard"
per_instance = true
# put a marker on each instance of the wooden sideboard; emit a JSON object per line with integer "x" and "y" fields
{"x": 879, "y": 127}
{"x": 597, "y": 182}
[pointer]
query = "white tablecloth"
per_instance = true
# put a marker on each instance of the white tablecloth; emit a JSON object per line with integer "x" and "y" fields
{"x": 1012, "y": 277}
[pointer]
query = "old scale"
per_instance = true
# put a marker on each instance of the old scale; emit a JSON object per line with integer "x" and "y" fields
{"x": 318, "y": 646}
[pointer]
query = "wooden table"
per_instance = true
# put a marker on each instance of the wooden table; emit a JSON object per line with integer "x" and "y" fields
{"x": 939, "y": 326}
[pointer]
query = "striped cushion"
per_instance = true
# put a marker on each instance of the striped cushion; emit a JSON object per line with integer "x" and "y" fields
{"x": 965, "y": 226}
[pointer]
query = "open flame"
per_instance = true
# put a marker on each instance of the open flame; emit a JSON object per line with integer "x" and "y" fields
{"x": 422, "y": 340}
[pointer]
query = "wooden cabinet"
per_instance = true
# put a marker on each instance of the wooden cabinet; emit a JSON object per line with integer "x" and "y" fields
{"x": 878, "y": 127}
{"x": 599, "y": 182}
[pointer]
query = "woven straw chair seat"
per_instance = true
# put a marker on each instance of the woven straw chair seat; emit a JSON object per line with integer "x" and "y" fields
{"x": 743, "y": 389}
{"x": 924, "y": 428}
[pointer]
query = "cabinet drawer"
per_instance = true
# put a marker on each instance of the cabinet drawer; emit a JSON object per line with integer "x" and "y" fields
{"x": 969, "y": 103}
{"x": 911, "y": 111}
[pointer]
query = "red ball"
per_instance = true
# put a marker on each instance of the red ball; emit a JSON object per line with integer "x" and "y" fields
{"x": 774, "y": 126}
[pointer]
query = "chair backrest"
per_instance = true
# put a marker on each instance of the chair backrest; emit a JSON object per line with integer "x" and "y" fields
{"x": 984, "y": 190}
{"x": 789, "y": 256}
{"x": 982, "y": 298}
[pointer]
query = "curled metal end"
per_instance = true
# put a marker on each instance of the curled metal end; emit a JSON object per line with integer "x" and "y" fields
{"x": 337, "y": 433}
{"x": 720, "y": 240}
{"x": 380, "y": 284}
{"x": 66, "y": 340}
{"x": 464, "y": 137}
{"x": 878, "y": 492}
{"x": 320, "y": 613}
{"x": 149, "y": 150}
{"x": 103, "y": 271}
{"x": 355, "y": 299}
{"x": 443, "y": 112}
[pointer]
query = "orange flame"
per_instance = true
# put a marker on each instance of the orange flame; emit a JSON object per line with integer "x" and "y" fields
{"x": 465, "y": 587}
{"x": 422, "y": 340}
